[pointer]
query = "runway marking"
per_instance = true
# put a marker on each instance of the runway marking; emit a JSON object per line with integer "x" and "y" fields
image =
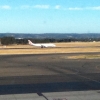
{"x": 88, "y": 78}
{"x": 76, "y": 73}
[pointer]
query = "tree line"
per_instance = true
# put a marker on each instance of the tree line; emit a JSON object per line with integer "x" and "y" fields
{"x": 12, "y": 40}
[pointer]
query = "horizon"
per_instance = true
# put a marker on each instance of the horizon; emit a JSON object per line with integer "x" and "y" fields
{"x": 50, "y": 33}
{"x": 50, "y": 16}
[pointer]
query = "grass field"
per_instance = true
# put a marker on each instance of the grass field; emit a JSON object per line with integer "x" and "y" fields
{"x": 73, "y": 47}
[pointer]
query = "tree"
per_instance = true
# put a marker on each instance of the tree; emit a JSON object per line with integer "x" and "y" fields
{"x": 7, "y": 40}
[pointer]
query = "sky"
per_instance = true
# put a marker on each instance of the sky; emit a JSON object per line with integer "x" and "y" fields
{"x": 49, "y": 16}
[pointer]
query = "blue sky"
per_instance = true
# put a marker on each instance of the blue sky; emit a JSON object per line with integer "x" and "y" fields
{"x": 50, "y": 16}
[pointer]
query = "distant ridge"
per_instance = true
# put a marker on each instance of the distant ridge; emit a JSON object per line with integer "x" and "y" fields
{"x": 51, "y": 35}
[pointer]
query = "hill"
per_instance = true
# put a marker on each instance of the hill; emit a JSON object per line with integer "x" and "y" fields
{"x": 51, "y": 35}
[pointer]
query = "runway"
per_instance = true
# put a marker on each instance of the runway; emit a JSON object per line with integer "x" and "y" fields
{"x": 48, "y": 73}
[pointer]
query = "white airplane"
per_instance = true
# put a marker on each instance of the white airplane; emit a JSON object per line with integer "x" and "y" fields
{"x": 41, "y": 45}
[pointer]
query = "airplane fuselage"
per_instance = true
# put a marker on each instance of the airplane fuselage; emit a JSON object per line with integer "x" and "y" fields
{"x": 42, "y": 45}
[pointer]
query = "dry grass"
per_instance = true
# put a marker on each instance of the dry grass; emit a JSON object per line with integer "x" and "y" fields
{"x": 85, "y": 57}
{"x": 78, "y": 44}
{"x": 73, "y": 47}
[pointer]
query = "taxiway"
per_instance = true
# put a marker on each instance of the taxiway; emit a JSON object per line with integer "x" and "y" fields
{"x": 48, "y": 73}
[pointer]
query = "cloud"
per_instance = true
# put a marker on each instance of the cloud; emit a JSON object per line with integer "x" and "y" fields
{"x": 42, "y": 6}
{"x": 35, "y": 7}
{"x": 57, "y": 7}
{"x": 84, "y": 8}
{"x": 7, "y": 7}
{"x": 93, "y": 8}
{"x": 75, "y": 8}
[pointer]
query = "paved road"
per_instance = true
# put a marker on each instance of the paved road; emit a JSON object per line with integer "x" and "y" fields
{"x": 48, "y": 73}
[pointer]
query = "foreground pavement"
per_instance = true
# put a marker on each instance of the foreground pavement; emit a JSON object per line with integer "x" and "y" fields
{"x": 47, "y": 77}
{"x": 76, "y": 95}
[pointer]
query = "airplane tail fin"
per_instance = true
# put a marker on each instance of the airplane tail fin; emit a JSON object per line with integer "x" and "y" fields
{"x": 29, "y": 42}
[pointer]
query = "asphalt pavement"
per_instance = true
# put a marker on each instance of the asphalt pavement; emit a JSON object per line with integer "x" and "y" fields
{"x": 48, "y": 73}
